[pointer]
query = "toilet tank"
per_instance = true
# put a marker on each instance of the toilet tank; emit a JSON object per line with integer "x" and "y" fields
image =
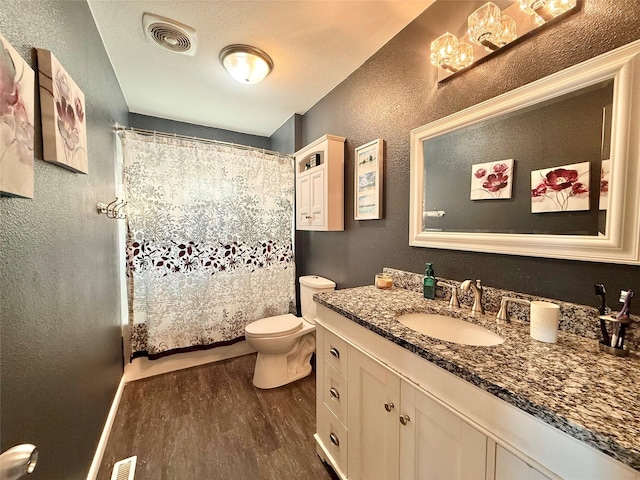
{"x": 310, "y": 284}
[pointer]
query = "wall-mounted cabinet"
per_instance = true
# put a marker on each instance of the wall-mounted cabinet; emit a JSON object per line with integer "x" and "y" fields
{"x": 320, "y": 185}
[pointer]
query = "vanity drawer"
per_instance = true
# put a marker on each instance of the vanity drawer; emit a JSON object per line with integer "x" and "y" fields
{"x": 334, "y": 437}
{"x": 335, "y": 392}
{"x": 335, "y": 352}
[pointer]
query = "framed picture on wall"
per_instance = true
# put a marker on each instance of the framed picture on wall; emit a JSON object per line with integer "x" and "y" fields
{"x": 17, "y": 99}
{"x": 368, "y": 180}
{"x": 64, "y": 125}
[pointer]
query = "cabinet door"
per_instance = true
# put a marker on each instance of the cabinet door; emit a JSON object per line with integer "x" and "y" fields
{"x": 510, "y": 467}
{"x": 318, "y": 214}
{"x": 373, "y": 404}
{"x": 435, "y": 443}
{"x": 303, "y": 201}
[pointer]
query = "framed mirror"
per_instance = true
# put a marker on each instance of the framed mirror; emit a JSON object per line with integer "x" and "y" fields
{"x": 550, "y": 169}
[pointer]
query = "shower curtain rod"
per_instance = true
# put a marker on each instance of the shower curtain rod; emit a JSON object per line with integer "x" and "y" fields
{"x": 143, "y": 131}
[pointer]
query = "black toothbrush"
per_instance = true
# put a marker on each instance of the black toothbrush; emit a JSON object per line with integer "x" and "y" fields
{"x": 600, "y": 291}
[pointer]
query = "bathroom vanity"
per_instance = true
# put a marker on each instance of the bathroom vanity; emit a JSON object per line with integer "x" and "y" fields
{"x": 396, "y": 404}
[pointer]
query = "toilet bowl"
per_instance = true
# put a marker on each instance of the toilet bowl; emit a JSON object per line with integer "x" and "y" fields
{"x": 285, "y": 342}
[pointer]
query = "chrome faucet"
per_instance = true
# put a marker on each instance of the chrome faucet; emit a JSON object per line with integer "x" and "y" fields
{"x": 453, "y": 303}
{"x": 503, "y": 313}
{"x": 477, "y": 294}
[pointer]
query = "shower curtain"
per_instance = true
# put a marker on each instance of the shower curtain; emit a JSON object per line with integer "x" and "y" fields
{"x": 209, "y": 241}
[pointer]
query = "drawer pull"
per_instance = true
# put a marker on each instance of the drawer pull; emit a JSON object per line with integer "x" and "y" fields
{"x": 404, "y": 419}
{"x": 389, "y": 406}
{"x": 334, "y": 439}
{"x": 334, "y": 393}
{"x": 335, "y": 352}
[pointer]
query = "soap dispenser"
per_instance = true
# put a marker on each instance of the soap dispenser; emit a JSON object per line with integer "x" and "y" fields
{"x": 429, "y": 283}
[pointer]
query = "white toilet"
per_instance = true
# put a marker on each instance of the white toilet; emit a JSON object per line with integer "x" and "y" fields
{"x": 285, "y": 342}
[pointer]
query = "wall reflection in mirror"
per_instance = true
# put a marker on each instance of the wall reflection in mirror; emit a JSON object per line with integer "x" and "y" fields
{"x": 542, "y": 169}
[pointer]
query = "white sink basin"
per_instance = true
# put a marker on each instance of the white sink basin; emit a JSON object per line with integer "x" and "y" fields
{"x": 450, "y": 329}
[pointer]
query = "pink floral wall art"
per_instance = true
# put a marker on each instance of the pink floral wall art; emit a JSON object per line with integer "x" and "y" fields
{"x": 560, "y": 189}
{"x": 492, "y": 180}
{"x": 64, "y": 125}
{"x": 604, "y": 184}
{"x": 17, "y": 93}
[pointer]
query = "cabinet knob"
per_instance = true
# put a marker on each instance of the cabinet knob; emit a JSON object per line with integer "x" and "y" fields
{"x": 389, "y": 406}
{"x": 404, "y": 419}
{"x": 334, "y": 439}
{"x": 335, "y": 352}
{"x": 334, "y": 393}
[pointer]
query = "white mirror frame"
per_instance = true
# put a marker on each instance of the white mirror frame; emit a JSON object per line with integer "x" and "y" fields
{"x": 621, "y": 242}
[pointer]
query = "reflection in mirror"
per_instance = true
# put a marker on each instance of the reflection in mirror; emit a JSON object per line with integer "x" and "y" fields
{"x": 535, "y": 170}
{"x": 550, "y": 169}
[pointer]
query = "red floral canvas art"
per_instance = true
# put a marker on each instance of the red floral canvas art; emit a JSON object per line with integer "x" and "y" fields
{"x": 64, "y": 125}
{"x": 560, "y": 189}
{"x": 492, "y": 180}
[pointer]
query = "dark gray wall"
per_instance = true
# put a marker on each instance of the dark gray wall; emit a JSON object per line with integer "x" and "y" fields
{"x": 189, "y": 129}
{"x": 288, "y": 137}
{"x": 59, "y": 302}
{"x": 396, "y": 91}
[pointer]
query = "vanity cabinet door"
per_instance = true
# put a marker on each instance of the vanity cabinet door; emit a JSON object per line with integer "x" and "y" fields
{"x": 509, "y": 466}
{"x": 435, "y": 443}
{"x": 373, "y": 406}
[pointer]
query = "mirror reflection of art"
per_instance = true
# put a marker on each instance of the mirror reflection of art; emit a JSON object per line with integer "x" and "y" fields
{"x": 492, "y": 180}
{"x": 605, "y": 172}
{"x": 368, "y": 181}
{"x": 17, "y": 92}
{"x": 560, "y": 189}
{"x": 64, "y": 125}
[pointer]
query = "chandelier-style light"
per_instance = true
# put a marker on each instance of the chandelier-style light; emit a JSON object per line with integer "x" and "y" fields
{"x": 491, "y": 29}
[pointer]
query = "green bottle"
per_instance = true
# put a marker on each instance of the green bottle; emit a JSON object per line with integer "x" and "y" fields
{"x": 429, "y": 283}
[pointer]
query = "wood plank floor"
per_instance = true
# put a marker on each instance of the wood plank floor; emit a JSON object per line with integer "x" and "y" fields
{"x": 210, "y": 422}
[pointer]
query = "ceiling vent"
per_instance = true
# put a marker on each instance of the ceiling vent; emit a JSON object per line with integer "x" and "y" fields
{"x": 169, "y": 34}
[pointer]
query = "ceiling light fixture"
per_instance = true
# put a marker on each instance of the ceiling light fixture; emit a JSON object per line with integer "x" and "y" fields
{"x": 491, "y": 29}
{"x": 245, "y": 63}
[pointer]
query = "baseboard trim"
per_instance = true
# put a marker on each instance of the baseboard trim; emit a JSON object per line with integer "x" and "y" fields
{"x": 102, "y": 444}
{"x": 142, "y": 367}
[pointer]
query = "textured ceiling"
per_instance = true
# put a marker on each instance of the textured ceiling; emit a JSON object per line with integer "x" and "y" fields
{"x": 314, "y": 45}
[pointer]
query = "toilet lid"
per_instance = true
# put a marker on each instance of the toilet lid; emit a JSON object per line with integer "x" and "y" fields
{"x": 275, "y": 326}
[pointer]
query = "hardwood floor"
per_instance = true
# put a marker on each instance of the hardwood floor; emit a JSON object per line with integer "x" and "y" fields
{"x": 210, "y": 422}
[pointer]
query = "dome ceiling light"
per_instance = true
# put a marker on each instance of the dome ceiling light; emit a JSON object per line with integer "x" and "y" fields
{"x": 245, "y": 63}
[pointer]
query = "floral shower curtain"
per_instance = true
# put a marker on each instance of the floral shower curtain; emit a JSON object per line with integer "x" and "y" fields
{"x": 209, "y": 243}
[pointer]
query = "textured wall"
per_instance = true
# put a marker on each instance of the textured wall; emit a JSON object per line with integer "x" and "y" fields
{"x": 189, "y": 129}
{"x": 59, "y": 314}
{"x": 288, "y": 137}
{"x": 396, "y": 91}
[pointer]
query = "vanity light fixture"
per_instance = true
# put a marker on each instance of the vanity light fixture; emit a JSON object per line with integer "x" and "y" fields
{"x": 491, "y": 29}
{"x": 245, "y": 63}
{"x": 547, "y": 9}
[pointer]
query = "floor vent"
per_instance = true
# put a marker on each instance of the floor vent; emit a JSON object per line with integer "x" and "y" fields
{"x": 124, "y": 469}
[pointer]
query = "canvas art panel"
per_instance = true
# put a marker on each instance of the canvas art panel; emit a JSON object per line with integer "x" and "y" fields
{"x": 64, "y": 124}
{"x": 17, "y": 98}
{"x": 368, "y": 181}
{"x": 605, "y": 173}
{"x": 492, "y": 180}
{"x": 560, "y": 189}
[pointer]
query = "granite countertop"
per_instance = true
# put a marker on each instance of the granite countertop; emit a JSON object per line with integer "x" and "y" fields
{"x": 570, "y": 385}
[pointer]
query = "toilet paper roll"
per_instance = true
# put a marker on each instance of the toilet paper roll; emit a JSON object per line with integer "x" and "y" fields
{"x": 545, "y": 318}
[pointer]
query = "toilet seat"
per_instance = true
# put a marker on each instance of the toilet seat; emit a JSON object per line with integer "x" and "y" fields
{"x": 275, "y": 326}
